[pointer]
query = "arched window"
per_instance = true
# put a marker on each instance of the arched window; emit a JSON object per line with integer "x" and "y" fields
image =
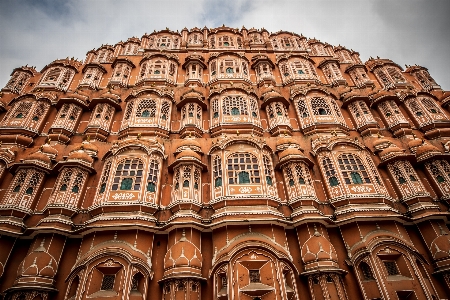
{"x": 366, "y": 271}
{"x": 146, "y": 109}
{"x": 105, "y": 176}
{"x": 330, "y": 173}
{"x": 243, "y": 168}
{"x": 234, "y": 105}
{"x": 352, "y": 169}
{"x": 217, "y": 171}
{"x": 267, "y": 170}
{"x": 128, "y": 175}
{"x": 153, "y": 173}
{"x": 320, "y": 106}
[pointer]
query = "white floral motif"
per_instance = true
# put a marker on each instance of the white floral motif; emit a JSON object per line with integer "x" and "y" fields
{"x": 361, "y": 189}
{"x": 245, "y": 190}
{"x": 123, "y": 196}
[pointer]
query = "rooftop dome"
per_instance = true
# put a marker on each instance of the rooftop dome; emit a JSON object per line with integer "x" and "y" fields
{"x": 80, "y": 155}
{"x": 426, "y": 149}
{"x": 49, "y": 150}
{"x": 39, "y": 156}
{"x": 290, "y": 152}
{"x": 415, "y": 143}
{"x": 440, "y": 247}
{"x": 390, "y": 151}
{"x": 190, "y": 143}
{"x": 188, "y": 154}
{"x": 318, "y": 248}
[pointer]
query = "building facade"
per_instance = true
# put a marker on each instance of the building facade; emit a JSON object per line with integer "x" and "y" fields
{"x": 224, "y": 164}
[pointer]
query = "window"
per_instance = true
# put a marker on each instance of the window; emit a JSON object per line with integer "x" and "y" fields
{"x": 243, "y": 168}
{"x": 128, "y": 175}
{"x": 353, "y": 169}
{"x": 108, "y": 282}
{"x": 320, "y": 106}
{"x": 391, "y": 267}
{"x": 152, "y": 179}
{"x": 366, "y": 271}
{"x": 330, "y": 173}
{"x": 217, "y": 171}
{"x": 234, "y": 105}
{"x": 105, "y": 176}
{"x": 267, "y": 170}
{"x": 254, "y": 276}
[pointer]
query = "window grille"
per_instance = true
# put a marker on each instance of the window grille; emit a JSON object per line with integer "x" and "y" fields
{"x": 196, "y": 179}
{"x": 267, "y": 169}
{"x": 165, "y": 109}
{"x": 135, "y": 282}
{"x": 302, "y": 109}
{"x": 128, "y": 175}
{"x": 320, "y": 106}
{"x": 224, "y": 281}
{"x": 146, "y": 109}
{"x": 254, "y": 276}
{"x": 366, "y": 271}
{"x": 217, "y": 171}
{"x": 234, "y": 103}
{"x": 391, "y": 267}
{"x": 243, "y": 168}
{"x": 353, "y": 170}
{"x": 153, "y": 172}
{"x": 330, "y": 173}
{"x": 108, "y": 282}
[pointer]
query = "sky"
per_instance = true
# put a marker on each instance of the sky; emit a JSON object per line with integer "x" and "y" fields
{"x": 36, "y": 32}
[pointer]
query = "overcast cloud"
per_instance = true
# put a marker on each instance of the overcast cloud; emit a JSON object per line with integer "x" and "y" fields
{"x": 406, "y": 31}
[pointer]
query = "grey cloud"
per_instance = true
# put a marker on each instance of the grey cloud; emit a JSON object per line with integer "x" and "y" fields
{"x": 408, "y": 32}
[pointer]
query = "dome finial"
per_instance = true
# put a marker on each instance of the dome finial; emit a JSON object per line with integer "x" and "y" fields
{"x": 183, "y": 236}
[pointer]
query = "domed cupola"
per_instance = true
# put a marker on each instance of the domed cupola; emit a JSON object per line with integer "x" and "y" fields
{"x": 187, "y": 169}
{"x": 318, "y": 253}
{"x": 426, "y": 151}
{"x": 183, "y": 259}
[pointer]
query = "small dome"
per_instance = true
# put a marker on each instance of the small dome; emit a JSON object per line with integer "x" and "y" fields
{"x": 189, "y": 143}
{"x": 390, "y": 150}
{"x": 39, "y": 156}
{"x": 188, "y": 154}
{"x": 381, "y": 141}
{"x": 318, "y": 248}
{"x": 426, "y": 149}
{"x": 286, "y": 140}
{"x": 183, "y": 254}
{"x": 88, "y": 146}
{"x": 47, "y": 149}
{"x": 270, "y": 95}
{"x": 440, "y": 247}
{"x": 414, "y": 143}
{"x": 290, "y": 152}
{"x": 38, "y": 263}
{"x": 80, "y": 155}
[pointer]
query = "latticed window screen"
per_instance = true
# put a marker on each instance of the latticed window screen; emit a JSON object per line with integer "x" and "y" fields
{"x": 268, "y": 170}
{"x": 320, "y": 106}
{"x": 330, "y": 173}
{"x": 302, "y": 109}
{"x": 135, "y": 282}
{"x": 254, "y": 276}
{"x": 302, "y": 177}
{"x": 243, "y": 168}
{"x": 146, "y": 109}
{"x": 104, "y": 178}
{"x": 224, "y": 281}
{"x": 186, "y": 176}
{"x": 352, "y": 169}
{"x": 215, "y": 108}
{"x": 128, "y": 175}
{"x": 108, "y": 282}
{"x": 165, "y": 109}
{"x": 391, "y": 267}
{"x": 366, "y": 271}
{"x": 234, "y": 105}
{"x": 152, "y": 179}
{"x": 217, "y": 171}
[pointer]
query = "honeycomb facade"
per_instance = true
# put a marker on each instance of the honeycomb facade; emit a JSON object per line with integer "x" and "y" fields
{"x": 224, "y": 164}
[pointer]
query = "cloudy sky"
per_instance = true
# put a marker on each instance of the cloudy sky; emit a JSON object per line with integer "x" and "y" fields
{"x": 35, "y": 32}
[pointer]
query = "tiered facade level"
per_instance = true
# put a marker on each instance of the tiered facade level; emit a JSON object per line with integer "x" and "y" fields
{"x": 224, "y": 164}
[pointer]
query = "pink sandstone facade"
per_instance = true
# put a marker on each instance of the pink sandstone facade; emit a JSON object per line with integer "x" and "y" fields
{"x": 224, "y": 164}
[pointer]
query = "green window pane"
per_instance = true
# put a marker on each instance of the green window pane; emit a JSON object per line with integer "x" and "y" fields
{"x": 75, "y": 189}
{"x": 218, "y": 182}
{"x": 29, "y": 191}
{"x": 126, "y": 184}
{"x": 63, "y": 187}
{"x": 186, "y": 183}
{"x": 151, "y": 187}
{"x": 333, "y": 181}
{"x": 244, "y": 177}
